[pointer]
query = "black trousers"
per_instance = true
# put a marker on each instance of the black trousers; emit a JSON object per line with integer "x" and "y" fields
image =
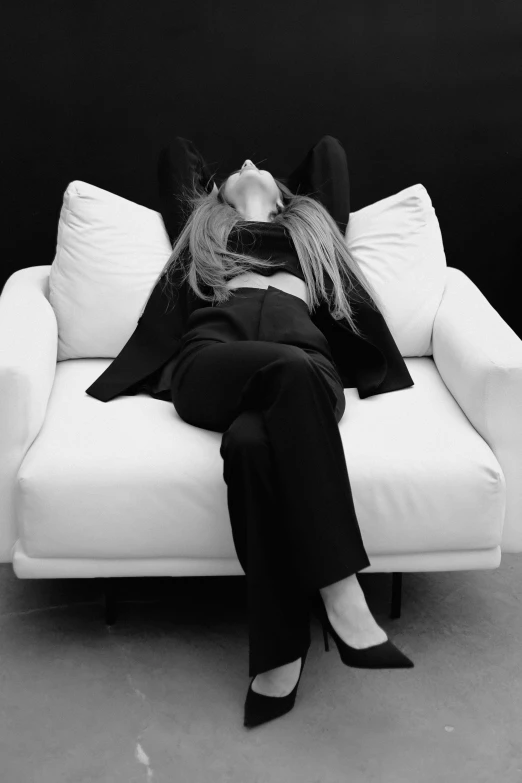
{"x": 258, "y": 370}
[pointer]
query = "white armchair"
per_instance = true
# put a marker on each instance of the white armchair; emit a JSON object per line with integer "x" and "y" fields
{"x": 127, "y": 488}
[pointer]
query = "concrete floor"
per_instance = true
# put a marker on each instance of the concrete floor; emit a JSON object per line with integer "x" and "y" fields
{"x": 159, "y": 696}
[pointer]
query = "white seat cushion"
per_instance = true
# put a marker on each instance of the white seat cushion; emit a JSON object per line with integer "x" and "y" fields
{"x": 130, "y": 478}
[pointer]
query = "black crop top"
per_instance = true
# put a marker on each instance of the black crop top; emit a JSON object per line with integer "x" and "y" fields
{"x": 270, "y": 242}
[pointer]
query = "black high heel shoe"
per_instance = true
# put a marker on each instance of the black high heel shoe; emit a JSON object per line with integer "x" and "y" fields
{"x": 379, "y": 656}
{"x": 260, "y": 708}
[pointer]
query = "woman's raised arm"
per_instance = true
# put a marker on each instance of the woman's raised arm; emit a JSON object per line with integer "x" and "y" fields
{"x": 180, "y": 165}
{"x": 323, "y": 175}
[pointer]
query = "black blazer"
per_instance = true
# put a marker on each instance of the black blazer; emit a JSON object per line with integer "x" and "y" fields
{"x": 373, "y": 365}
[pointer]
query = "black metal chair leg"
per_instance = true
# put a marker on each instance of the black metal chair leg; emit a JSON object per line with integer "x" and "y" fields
{"x": 395, "y": 610}
{"x": 110, "y": 604}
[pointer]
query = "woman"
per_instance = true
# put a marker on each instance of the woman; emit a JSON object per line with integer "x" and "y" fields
{"x": 267, "y": 320}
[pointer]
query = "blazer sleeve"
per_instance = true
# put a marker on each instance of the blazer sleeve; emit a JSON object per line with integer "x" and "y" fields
{"x": 155, "y": 340}
{"x": 159, "y": 330}
{"x": 373, "y": 364}
{"x": 180, "y": 165}
{"x": 323, "y": 175}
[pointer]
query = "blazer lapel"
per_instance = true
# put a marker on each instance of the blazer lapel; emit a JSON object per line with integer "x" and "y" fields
{"x": 372, "y": 363}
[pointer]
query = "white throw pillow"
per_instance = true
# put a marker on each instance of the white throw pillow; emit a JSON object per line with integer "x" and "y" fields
{"x": 398, "y": 244}
{"x": 109, "y": 252}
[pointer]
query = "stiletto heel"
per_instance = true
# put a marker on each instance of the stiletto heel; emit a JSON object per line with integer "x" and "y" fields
{"x": 325, "y": 635}
{"x": 260, "y": 708}
{"x": 379, "y": 656}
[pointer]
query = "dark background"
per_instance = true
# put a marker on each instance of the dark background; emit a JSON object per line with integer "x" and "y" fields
{"x": 425, "y": 92}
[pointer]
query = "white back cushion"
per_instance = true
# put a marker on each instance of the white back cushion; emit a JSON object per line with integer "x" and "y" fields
{"x": 111, "y": 250}
{"x": 398, "y": 244}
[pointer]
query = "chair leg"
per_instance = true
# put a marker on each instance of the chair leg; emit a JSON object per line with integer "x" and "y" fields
{"x": 395, "y": 610}
{"x": 110, "y": 604}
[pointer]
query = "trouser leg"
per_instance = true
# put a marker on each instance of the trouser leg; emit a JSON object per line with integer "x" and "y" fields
{"x": 278, "y": 609}
{"x": 298, "y": 408}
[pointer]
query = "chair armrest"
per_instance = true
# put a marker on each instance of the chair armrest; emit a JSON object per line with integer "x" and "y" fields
{"x": 28, "y": 354}
{"x": 479, "y": 358}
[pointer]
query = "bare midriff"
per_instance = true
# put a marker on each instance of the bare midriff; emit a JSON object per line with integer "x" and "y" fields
{"x": 282, "y": 280}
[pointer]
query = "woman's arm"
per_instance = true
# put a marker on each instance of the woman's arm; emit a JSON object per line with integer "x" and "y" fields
{"x": 180, "y": 165}
{"x": 323, "y": 175}
{"x": 160, "y": 327}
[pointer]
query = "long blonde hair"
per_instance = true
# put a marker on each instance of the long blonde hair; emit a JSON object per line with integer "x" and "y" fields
{"x": 316, "y": 236}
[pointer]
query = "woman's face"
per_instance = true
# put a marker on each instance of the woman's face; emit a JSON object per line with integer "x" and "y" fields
{"x": 250, "y": 185}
